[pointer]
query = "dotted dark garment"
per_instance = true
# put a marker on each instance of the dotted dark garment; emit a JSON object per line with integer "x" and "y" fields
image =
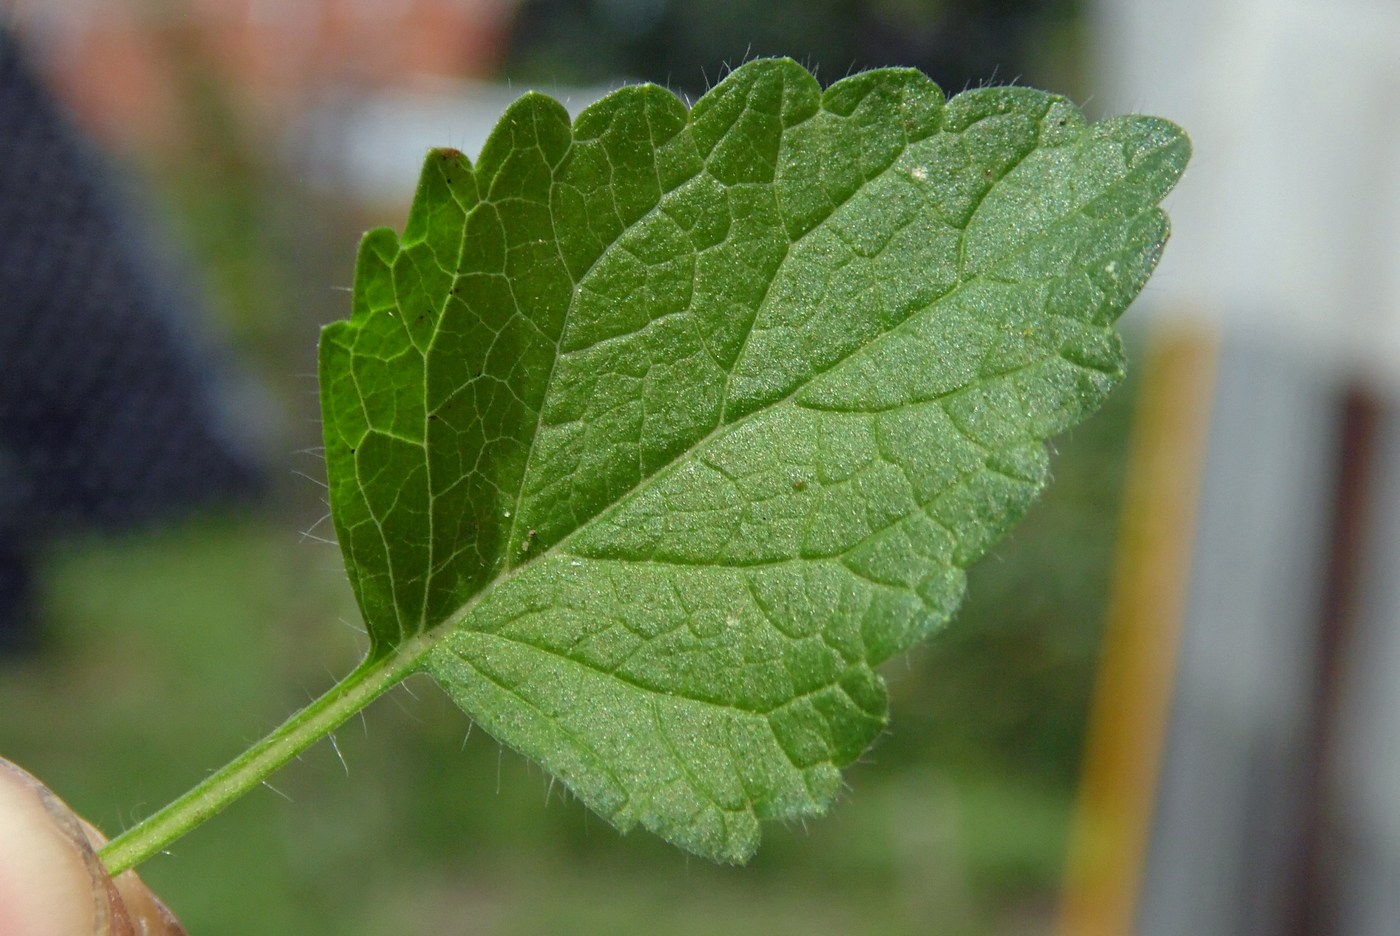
{"x": 107, "y": 412}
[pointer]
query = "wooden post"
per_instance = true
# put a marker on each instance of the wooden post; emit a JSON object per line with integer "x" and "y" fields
{"x": 1130, "y": 712}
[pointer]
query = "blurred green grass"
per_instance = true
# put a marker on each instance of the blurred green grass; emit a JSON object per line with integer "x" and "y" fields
{"x": 168, "y": 652}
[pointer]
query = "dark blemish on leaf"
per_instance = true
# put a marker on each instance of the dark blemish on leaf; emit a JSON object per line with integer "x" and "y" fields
{"x": 799, "y": 485}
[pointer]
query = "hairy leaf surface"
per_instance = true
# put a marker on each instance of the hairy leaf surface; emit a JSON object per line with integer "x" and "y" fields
{"x": 655, "y": 433}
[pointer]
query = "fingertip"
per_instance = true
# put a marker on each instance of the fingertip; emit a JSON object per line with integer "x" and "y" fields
{"x": 52, "y": 882}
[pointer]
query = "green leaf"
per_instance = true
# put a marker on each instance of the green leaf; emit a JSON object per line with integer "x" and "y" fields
{"x": 654, "y": 434}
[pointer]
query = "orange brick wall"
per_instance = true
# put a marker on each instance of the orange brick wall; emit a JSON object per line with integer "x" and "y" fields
{"x": 117, "y": 61}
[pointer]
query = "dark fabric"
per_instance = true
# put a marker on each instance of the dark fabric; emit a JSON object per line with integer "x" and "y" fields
{"x": 107, "y": 415}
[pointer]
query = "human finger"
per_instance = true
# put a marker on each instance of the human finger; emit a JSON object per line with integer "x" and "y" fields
{"x": 52, "y": 882}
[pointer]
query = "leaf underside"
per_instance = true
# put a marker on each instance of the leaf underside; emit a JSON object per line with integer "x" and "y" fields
{"x": 668, "y": 426}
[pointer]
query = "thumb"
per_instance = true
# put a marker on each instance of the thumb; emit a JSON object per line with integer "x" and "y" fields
{"x": 51, "y": 881}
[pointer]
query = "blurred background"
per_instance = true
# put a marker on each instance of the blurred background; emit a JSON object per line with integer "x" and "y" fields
{"x": 1169, "y": 705}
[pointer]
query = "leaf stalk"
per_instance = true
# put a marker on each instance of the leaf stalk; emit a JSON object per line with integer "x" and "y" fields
{"x": 368, "y": 681}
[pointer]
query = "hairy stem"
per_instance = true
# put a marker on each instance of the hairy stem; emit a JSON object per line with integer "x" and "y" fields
{"x": 366, "y": 683}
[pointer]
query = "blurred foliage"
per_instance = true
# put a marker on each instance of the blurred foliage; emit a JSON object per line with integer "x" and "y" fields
{"x": 275, "y": 258}
{"x": 685, "y": 46}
